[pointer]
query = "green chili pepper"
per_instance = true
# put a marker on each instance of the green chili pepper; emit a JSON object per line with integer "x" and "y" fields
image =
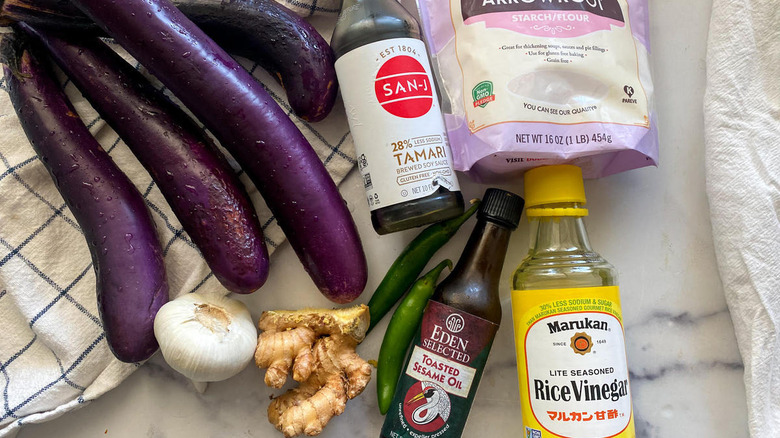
{"x": 400, "y": 333}
{"x": 407, "y": 267}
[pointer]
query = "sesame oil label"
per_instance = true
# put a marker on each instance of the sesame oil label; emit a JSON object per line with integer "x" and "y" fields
{"x": 572, "y": 363}
{"x": 435, "y": 392}
{"x": 395, "y": 121}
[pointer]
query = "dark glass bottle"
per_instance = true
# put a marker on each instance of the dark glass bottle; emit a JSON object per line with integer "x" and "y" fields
{"x": 394, "y": 116}
{"x": 444, "y": 367}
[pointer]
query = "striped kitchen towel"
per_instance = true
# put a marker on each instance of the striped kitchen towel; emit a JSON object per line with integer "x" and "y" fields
{"x": 308, "y": 8}
{"x": 53, "y": 352}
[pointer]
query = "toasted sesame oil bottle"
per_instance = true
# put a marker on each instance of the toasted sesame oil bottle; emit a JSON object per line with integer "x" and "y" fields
{"x": 394, "y": 116}
{"x": 447, "y": 357}
{"x": 569, "y": 335}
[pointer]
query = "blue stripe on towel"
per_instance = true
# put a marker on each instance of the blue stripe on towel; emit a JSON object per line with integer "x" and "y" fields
{"x": 36, "y": 194}
{"x": 312, "y": 8}
{"x": 67, "y": 380}
{"x": 176, "y": 235}
{"x": 168, "y": 225}
{"x": 4, "y": 370}
{"x": 51, "y": 283}
{"x": 92, "y": 123}
{"x": 113, "y": 145}
{"x": 12, "y": 411}
{"x": 16, "y": 355}
{"x": 202, "y": 282}
{"x": 338, "y": 149}
{"x": 29, "y": 238}
{"x": 64, "y": 293}
{"x": 13, "y": 169}
{"x": 148, "y": 189}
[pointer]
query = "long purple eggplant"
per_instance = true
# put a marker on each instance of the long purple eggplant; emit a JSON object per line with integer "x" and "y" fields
{"x": 264, "y": 31}
{"x": 126, "y": 253}
{"x": 196, "y": 180}
{"x": 247, "y": 121}
{"x": 283, "y": 43}
{"x": 50, "y": 13}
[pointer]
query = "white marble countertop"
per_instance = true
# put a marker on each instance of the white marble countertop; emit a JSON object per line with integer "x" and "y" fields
{"x": 652, "y": 224}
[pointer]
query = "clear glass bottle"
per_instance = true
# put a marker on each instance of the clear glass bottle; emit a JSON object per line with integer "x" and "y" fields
{"x": 569, "y": 335}
{"x": 394, "y": 116}
{"x": 560, "y": 255}
{"x": 444, "y": 367}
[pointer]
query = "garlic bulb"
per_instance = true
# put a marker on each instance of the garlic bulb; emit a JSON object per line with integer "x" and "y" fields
{"x": 206, "y": 337}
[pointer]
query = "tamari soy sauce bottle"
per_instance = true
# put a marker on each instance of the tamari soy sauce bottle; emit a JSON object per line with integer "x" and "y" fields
{"x": 568, "y": 323}
{"x": 394, "y": 115}
{"x": 436, "y": 389}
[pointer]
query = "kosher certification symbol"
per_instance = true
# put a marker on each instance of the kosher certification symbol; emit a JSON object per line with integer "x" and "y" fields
{"x": 455, "y": 323}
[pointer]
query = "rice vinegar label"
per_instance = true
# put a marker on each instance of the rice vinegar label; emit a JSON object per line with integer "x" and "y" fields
{"x": 396, "y": 122}
{"x": 437, "y": 388}
{"x": 572, "y": 364}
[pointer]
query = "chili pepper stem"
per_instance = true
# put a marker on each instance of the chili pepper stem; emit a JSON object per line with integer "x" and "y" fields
{"x": 412, "y": 260}
{"x": 455, "y": 223}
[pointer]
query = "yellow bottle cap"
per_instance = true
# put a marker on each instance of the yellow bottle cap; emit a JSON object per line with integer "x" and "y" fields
{"x": 554, "y": 185}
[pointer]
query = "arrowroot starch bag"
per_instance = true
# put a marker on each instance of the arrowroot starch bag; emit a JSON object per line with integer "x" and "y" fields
{"x": 532, "y": 82}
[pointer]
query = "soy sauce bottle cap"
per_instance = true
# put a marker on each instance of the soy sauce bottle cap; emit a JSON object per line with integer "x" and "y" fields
{"x": 502, "y": 207}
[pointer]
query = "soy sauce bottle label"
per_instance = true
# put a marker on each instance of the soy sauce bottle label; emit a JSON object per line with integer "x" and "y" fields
{"x": 435, "y": 393}
{"x": 395, "y": 121}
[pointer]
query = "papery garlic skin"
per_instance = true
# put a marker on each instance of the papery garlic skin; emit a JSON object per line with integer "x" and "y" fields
{"x": 206, "y": 337}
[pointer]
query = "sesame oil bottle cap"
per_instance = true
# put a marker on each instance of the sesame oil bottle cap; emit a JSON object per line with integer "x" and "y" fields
{"x": 502, "y": 207}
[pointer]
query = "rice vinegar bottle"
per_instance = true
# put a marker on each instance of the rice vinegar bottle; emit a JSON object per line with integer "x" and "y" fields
{"x": 394, "y": 116}
{"x": 568, "y": 323}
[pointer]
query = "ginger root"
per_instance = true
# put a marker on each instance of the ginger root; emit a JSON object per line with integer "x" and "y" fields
{"x": 319, "y": 345}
